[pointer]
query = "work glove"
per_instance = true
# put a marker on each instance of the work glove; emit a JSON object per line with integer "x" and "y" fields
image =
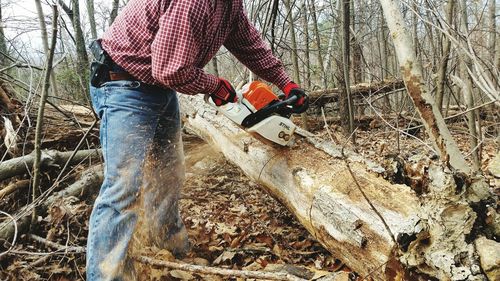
{"x": 302, "y": 103}
{"x": 224, "y": 93}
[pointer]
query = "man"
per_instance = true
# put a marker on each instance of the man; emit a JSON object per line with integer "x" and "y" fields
{"x": 157, "y": 48}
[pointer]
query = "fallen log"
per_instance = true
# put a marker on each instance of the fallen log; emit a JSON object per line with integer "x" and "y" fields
{"x": 363, "y": 90}
{"x": 49, "y": 158}
{"x": 88, "y": 184}
{"x": 402, "y": 234}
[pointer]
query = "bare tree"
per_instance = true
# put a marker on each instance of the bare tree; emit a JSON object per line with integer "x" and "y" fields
{"x": 41, "y": 108}
{"x": 3, "y": 41}
{"x": 423, "y": 101}
{"x": 91, "y": 12}
{"x": 317, "y": 37}
{"x": 465, "y": 64}
{"x": 346, "y": 105}
{"x": 443, "y": 65}
{"x": 295, "y": 56}
{"x": 45, "y": 42}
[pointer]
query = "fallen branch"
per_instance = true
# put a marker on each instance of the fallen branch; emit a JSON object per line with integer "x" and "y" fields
{"x": 49, "y": 158}
{"x": 219, "y": 271}
{"x": 22, "y": 184}
{"x": 58, "y": 247}
{"x": 357, "y": 91}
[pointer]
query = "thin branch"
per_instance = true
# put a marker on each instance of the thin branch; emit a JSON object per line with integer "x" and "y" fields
{"x": 41, "y": 108}
{"x": 219, "y": 271}
{"x": 58, "y": 247}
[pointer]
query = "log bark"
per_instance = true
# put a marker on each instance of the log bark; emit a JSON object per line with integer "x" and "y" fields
{"x": 312, "y": 180}
{"x": 88, "y": 184}
{"x": 49, "y": 158}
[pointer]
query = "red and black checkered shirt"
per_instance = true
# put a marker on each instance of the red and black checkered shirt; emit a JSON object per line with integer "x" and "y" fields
{"x": 169, "y": 42}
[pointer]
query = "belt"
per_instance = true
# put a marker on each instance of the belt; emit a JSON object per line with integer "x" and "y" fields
{"x": 114, "y": 76}
{"x": 118, "y": 73}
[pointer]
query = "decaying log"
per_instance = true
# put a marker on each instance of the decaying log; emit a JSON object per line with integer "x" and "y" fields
{"x": 311, "y": 179}
{"x": 88, "y": 184}
{"x": 50, "y": 158}
{"x": 363, "y": 90}
{"x": 318, "y": 189}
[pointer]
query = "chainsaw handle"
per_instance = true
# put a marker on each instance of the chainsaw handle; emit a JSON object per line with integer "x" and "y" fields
{"x": 291, "y": 100}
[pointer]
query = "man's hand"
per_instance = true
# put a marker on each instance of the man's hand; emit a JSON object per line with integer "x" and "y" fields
{"x": 302, "y": 103}
{"x": 224, "y": 93}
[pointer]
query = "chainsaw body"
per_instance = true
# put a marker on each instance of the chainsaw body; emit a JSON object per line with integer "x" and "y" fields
{"x": 259, "y": 110}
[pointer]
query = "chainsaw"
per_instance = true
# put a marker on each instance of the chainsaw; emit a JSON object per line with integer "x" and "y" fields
{"x": 259, "y": 110}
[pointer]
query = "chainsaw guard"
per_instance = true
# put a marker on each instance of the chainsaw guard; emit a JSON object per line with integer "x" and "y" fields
{"x": 276, "y": 129}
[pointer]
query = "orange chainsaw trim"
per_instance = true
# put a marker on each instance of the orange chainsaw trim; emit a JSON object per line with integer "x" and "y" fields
{"x": 259, "y": 95}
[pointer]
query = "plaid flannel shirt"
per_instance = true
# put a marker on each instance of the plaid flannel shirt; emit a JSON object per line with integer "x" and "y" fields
{"x": 169, "y": 42}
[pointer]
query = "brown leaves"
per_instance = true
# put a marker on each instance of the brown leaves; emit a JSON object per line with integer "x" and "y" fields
{"x": 233, "y": 223}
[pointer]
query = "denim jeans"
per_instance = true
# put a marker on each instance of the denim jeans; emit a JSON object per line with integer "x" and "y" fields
{"x": 137, "y": 205}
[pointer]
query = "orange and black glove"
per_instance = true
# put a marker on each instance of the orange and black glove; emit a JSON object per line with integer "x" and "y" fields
{"x": 224, "y": 93}
{"x": 302, "y": 103}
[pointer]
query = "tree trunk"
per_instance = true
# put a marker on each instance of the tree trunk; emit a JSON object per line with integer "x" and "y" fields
{"x": 357, "y": 51}
{"x": 465, "y": 63}
{"x": 295, "y": 55}
{"x": 45, "y": 42}
{"x": 423, "y": 101}
{"x": 384, "y": 60}
{"x": 378, "y": 229}
{"x": 41, "y": 106}
{"x": 317, "y": 36}
{"x": 492, "y": 41}
{"x": 3, "y": 42}
{"x": 81, "y": 49}
{"x": 305, "y": 24}
{"x": 346, "y": 104}
{"x": 114, "y": 11}
{"x": 443, "y": 66}
{"x": 91, "y": 11}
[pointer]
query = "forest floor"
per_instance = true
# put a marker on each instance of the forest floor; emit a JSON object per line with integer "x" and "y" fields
{"x": 231, "y": 221}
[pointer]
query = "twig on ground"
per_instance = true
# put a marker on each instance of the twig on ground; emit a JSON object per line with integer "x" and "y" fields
{"x": 22, "y": 184}
{"x": 219, "y": 271}
{"x": 58, "y": 247}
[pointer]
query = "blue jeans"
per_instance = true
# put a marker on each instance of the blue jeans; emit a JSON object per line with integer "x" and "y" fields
{"x": 137, "y": 205}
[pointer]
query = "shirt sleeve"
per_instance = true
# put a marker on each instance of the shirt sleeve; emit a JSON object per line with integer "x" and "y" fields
{"x": 174, "y": 49}
{"x": 247, "y": 45}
